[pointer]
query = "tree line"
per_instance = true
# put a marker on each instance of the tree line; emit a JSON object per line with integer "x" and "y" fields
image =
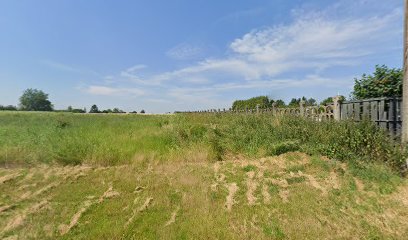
{"x": 37, "y": 100}
{"x": 384, "y": 82}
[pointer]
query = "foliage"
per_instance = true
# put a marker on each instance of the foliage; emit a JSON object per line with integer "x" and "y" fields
{"x": 94, "y": 109}
{"x": 78, "y": 110}
{"x": 384, "y": 82}
{"x": 280, "y": 103}
{"x": 142, "y": 111}
{"x": 329, "y": 100}
{"x": 35, "y": 100}
{"x": 295, "y": 102}
{"x": 8, "y": 108}
{"x": 262, "y": 101}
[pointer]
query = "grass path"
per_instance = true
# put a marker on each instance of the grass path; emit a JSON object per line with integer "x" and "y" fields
{"x": 292, "y": 196}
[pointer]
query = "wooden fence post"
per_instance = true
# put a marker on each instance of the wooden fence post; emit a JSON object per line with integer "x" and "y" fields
{"x": 257, "y": 108}
{"x": 336, "y": 108}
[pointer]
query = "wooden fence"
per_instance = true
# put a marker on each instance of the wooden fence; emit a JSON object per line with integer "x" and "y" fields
{"x": 385, "y": 112}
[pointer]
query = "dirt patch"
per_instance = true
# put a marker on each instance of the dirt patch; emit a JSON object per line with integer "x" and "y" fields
{"x": 172, "y": 217}
{"x": 9, "y": 177}
{"x": 146, "y": 204}
{"x": 232, "y": 190}
{"x": 284, "y": 195}
{"x": 19, "y": 219}
{"x": 45, "y": 189}
{"x": 6, "y": 207}
{"x": 359, "y": 184}
{"x": 265, "y": 194}
{"x": 402, "y": 195}
{"x": 64, "y": 229}
{"x": 138, "y": 189}
{"x": 143, "y": 208}
{"x": 334, "y": 181}
{"x": 314, "y": 183}
{"x": 283, "y": 183}
{"x": 110, "y": 193}
{"x": 252, "y": 185}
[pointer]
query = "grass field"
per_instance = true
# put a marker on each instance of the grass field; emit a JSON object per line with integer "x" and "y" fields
{"x": 197, "y": 177}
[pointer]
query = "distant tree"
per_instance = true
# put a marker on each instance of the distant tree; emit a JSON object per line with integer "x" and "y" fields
{"x": 329, "y": 100}
{"x": 107, "y": 111}
{"x": 134, "y": 112}
{"x": 35, "y": 100}
{"x": 262, "y": 101}
{"x": 280, "y": 103}
{"x": 94, "y": 109}
{"x": 311, "y": 102}
{"x": 69, "y": 109}
{"x": 117, "y": 110}
{"x": 294, "y": 102}
{"x": 142, "y": 111}
{"x": 77, "y": 110}
{"x": 384, "y": 82}
{"x": 8, "y": 108}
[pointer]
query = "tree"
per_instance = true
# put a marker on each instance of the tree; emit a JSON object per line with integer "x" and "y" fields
{"x": 94, "y": 109}
{"x": 329, "y": 100}
{"x": 78, "y": 110}
{"x": 69, "y": 109}
{"x": 384, "y": 82}
{"x": 8, "y": 108}
{"x": 294, "y": 102}
{"x": 143, "y": 111}
{"x": 262, "y": 101}
{"x": 280, "y": 103}
{"x": 35, "y": 100}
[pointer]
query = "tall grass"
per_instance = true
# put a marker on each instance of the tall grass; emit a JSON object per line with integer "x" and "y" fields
{"x": 263, "y": 135}
{"x": 27, "y": 138}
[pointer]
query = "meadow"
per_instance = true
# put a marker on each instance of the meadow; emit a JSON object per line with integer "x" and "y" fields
{"x": 198, "y": 176}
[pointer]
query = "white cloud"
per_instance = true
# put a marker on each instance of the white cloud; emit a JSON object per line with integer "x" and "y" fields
{"x": 184, "y": 51}
{"x": 111, "y": 91}
{"x": 312, "y": 42}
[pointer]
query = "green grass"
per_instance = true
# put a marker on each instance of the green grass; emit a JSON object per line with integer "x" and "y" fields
{"x": 29, "y": 138}
{"x": 186, "y": 163}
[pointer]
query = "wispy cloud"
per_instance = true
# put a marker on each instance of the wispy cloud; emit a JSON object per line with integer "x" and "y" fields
{"x": 112, "y": 91}
{"x": 67, "y": 68}
{"x": 185, "y": 51}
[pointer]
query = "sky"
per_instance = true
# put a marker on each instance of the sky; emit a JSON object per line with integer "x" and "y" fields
{"x": 180, "y": 55}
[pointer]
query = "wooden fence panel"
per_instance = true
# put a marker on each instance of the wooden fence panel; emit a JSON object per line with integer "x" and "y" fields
{"x": 385, "y": 112}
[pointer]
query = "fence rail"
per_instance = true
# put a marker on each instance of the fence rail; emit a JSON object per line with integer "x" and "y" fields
{"x": 385, "y": 112}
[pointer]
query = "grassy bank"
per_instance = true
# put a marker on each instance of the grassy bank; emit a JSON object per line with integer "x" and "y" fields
{"x": 201, "y": 176}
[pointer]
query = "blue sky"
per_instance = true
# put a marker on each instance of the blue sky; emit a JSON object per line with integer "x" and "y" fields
{"x": 163, "y": 56}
